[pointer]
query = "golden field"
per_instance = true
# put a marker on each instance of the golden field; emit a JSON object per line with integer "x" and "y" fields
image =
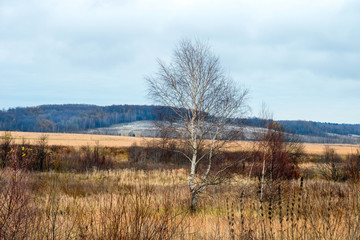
{"x": 152, "y": 204}
{"x": 84, "y": 191}
{"x": 79, "y": 140}
{"x": 75, "y": 140}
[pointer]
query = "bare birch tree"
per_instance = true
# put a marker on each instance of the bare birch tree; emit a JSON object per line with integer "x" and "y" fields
{"x": 203, "y": 102}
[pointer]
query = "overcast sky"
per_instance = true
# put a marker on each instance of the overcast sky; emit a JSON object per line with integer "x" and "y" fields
{"x": 300, "y": 57}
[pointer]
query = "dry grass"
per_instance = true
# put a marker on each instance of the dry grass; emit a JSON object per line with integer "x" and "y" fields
{"x": 151, "y": 200}
{"x": 341, "y": 149}
{"x": 78, "y": 140}
{"x": 75, "y": 140}
{"x": 134, "y": 204}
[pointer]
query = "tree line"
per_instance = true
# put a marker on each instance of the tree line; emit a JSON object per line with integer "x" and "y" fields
{"x": 81, "y": 117}
{"x": 71, "y": 117}
{"x": 310, "y": 128}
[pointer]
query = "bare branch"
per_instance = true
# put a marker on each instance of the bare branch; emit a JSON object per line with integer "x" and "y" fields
{"x": 203, "y": 100}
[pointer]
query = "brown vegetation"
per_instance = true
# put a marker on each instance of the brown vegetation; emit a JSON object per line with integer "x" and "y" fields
{"x": 79, "y": 140}
{"x": 136, "y": 193}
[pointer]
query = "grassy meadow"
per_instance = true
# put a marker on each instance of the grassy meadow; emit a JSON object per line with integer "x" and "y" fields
{"x": 72, "y": 186}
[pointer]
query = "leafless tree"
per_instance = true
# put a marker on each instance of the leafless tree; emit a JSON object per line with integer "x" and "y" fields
{"x": 275, "y": 154}
{"x": 203, "y": 101}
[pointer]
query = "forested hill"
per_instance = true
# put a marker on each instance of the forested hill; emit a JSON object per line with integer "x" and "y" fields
{"x": 72, "y": 117}
{"x": 311, "y": 128}
{"x": 80, "y": 117}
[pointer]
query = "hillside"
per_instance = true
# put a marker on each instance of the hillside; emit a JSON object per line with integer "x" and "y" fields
{"x": 79, "y": 118}
{"x": 71, "y": 117}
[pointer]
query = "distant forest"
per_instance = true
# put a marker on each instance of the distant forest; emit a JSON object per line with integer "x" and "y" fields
{"x": 72, "y": 117}
{"x": 80, "y": 117}
{"x": 311, "y": 128}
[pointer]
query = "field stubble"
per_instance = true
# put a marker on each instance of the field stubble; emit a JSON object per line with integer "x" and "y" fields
{"x": 79, "y": 140}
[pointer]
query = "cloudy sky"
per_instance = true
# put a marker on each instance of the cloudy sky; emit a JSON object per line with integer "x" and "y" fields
{"x": 300, "y": 57}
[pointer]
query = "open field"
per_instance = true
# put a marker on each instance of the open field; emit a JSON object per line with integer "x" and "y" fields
{"x": 152, "y": 204}
{"x": 79, "y": 140}
{"x": 76, "y": 140}
{"x": 81, "y": 190}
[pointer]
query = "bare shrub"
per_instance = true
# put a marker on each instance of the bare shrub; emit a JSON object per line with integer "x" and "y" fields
{"x": 331, "y": 165}
{"x": 157, "y": 153}
{"x": 275, "y": 157}
{"x": 96, "y": 158}
{"x": 352, "y": 168}
{"x": 16, "y": 213}
{"x": 40, "y": 155}
{"x": 5, "y": 148}
{"x": 80, "y": 160}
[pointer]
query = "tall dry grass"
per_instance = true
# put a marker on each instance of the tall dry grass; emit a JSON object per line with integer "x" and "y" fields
{"x": 152, "y": 204}
{"x": 149, "y": 200}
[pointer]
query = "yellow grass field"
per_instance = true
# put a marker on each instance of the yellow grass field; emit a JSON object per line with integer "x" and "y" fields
{"x": 78, "y": 140}
{"x": 150, "y": 199}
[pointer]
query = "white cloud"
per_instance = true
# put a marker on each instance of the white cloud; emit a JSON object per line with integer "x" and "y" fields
{"x": 267, "y": 45}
